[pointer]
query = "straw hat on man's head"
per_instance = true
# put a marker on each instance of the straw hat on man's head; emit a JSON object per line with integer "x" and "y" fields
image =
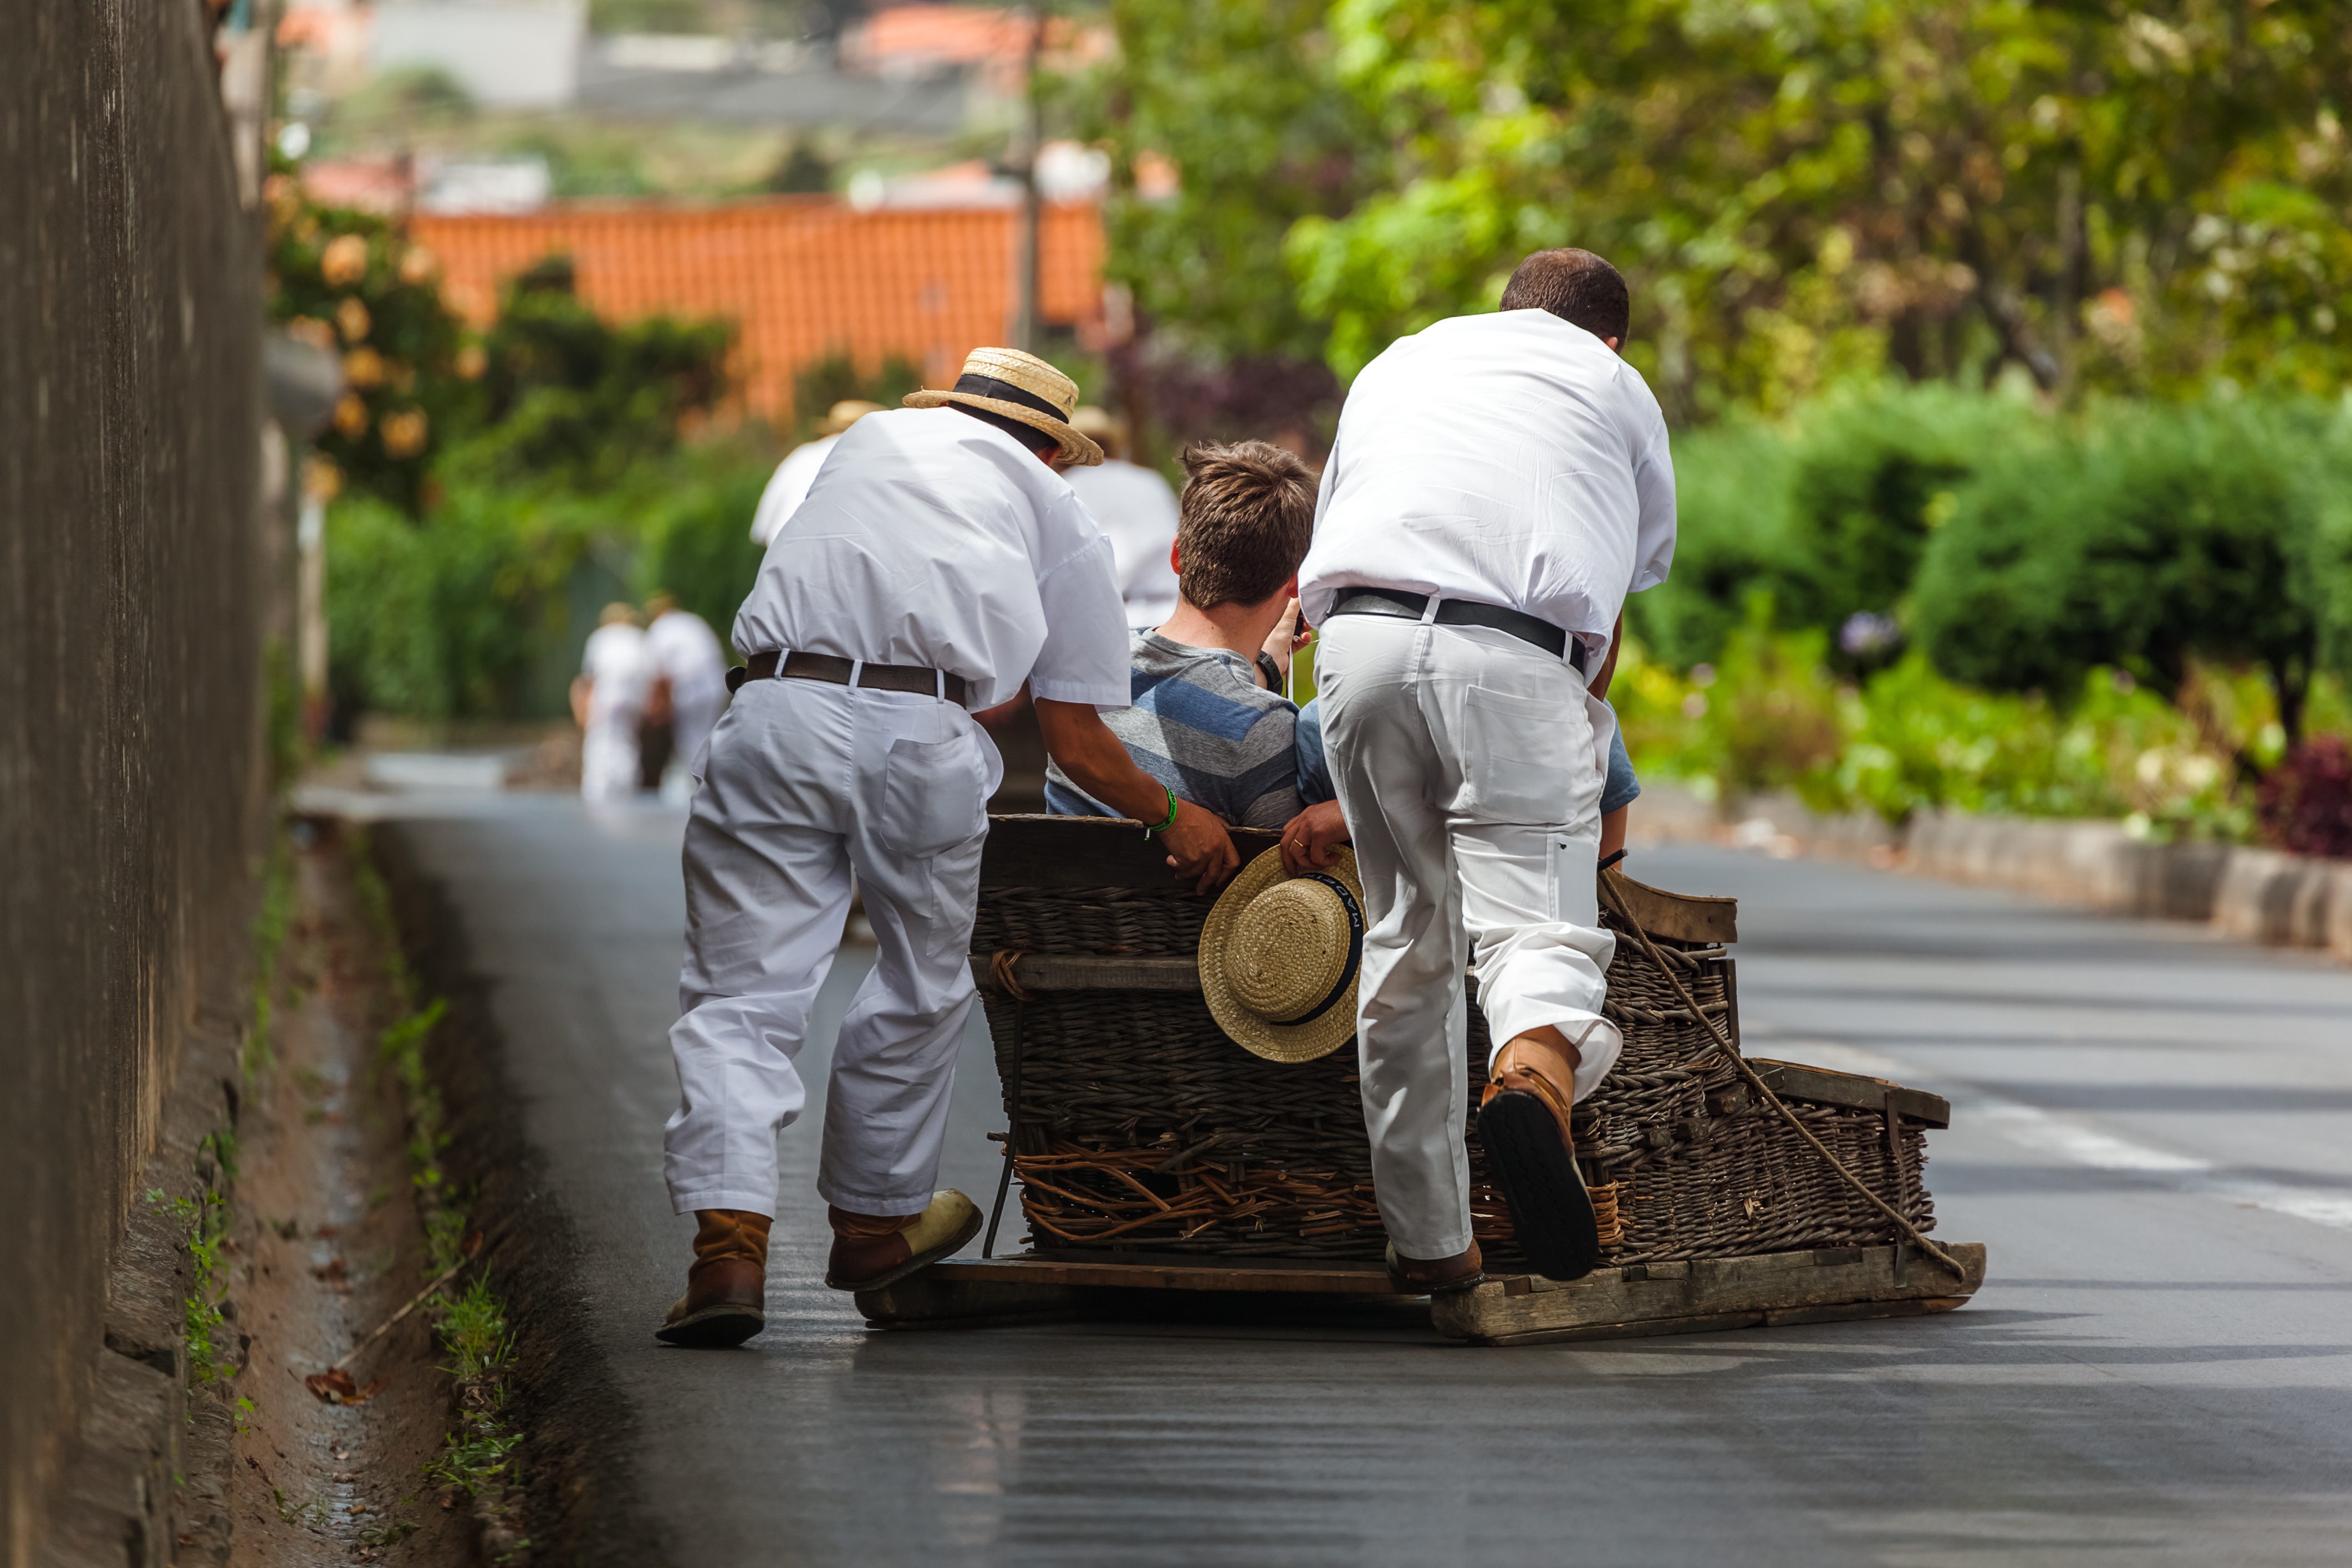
{"x": 1101, "y": 426}
{"x": 1279, "y": 956}
{"x": 844, "y": 414}
{"x": 1021, "y": 387}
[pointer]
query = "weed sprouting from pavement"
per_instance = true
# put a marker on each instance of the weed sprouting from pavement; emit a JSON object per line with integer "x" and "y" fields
{"x": 474, "y": 1328}
{"x": 479, "y": 1458}
{"x": 205, "y": 1218}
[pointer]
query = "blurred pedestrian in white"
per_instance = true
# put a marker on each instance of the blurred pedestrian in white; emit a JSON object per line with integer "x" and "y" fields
{"x": 1137, "y": 512}
{"x": 688, "y": 670}
{"x": 607, "y": 699}
{"x": 788, "y": 485}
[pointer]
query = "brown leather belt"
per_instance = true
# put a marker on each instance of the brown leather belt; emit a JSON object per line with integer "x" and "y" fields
{"x": 837, "y": 672}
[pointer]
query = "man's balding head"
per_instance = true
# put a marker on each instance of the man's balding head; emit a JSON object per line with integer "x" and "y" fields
{"x": 1575, "y": 285}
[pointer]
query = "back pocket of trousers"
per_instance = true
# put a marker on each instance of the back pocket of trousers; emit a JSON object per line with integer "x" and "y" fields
{"x": 1516, "y": 756}
{"x": 930, "y": 796}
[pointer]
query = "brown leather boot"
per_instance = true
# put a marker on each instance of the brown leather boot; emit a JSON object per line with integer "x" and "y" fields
{"x": 871, "y": 1250}
{"x": 1523, "y": 1123}
{"x": 1437, "y": 1276}
{"x": 726, "y": 1286}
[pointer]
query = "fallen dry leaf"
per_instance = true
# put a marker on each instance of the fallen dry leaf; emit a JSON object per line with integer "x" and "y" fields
{"x": 334, "y": 1387}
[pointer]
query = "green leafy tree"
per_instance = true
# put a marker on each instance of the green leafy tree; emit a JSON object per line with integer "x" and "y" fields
{"x": 1799, "y": 193}
{"x": 573, "y": 400}
{"x": 1235, "y": 104}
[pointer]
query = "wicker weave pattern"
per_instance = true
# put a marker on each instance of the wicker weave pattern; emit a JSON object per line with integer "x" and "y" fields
{"x": 1270, "y": 1158}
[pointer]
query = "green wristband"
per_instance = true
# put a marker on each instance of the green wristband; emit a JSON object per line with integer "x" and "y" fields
{"x": 1172, "y": 815}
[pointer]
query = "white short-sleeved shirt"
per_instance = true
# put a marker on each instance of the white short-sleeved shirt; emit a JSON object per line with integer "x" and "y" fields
{"x": 1138, "y": 513}
{"x": 614, "y": 659}
{"x": 932, "y": 539}
{"x": 681, "y": 645}
{"x": 788, "y": 486}
{"x": 1511, "y": 458}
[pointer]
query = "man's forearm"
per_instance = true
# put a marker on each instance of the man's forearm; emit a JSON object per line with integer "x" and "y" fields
{"x": 1077, "y": 739}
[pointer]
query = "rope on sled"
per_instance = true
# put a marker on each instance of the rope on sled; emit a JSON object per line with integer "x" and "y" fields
{"x": 1609, "y": 879}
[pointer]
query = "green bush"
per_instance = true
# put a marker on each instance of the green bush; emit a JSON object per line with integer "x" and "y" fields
{"x": 1826, "y": 516}
{"x": 697, "y": 539}
{"x": 2159, "y": 539}
{"x": 462, "y": 614}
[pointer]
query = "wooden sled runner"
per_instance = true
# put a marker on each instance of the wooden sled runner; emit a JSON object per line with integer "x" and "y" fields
{"x": 1154, "y": 1155}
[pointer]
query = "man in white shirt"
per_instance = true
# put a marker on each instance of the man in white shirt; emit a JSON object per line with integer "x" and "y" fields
{"x": 788, "y": 486}
{"x": 938, "y": 564}
{"x": 1138, "y": 513}
{"x": 1498, "y": 485}
{"x": 607, "y": 699}
{"x": 689, "y": 675}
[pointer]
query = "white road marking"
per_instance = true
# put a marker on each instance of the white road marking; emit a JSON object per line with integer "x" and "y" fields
{"x": 2072, "y": 1138}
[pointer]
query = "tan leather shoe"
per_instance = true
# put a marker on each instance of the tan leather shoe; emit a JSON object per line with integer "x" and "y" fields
{"x": 726, "y": 1286}
{"x": 1523, "y": 1123}
{"x": 1435, "y": 1277}
{"x": 872, "y": 1250}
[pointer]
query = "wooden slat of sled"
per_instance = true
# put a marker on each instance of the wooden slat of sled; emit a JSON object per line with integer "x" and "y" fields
{"x": 1650, "y": 1328}
{"x": 1818, "y": 1286}
{"x": 1048, "y": 972}
{"x": 1088, "y": 852}
{"x": 1683, "y": 916}
{"x": 1111, "y": 851}
{"x": 1792, "y": 1080}
{"x": 1771, "y": 1283}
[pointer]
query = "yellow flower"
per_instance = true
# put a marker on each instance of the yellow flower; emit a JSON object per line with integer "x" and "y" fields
{"x": 418, "y": 264}
{"x": 352, "y": 318}
{"x": 472, "y": 361}
{"x": 404, "y": 432}
{"x": 321, "y": 480}
{"x": 363, "y": 368}
{"x": 352, "y": 415}
{"x": 344, "y": 261}
{"x": 312, "y": 330}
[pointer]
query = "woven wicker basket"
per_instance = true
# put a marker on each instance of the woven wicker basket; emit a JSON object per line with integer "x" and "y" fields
{"x": 1137, "y": 1125}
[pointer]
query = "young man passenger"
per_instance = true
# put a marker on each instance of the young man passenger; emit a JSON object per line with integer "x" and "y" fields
{"x": 1208, "y": 719}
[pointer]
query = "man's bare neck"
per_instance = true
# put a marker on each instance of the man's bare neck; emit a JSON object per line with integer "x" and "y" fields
{"x": 1240, "y": 628}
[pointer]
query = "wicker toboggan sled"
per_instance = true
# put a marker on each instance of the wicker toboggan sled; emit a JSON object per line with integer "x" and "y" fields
{"x": 1151, "y": 1152}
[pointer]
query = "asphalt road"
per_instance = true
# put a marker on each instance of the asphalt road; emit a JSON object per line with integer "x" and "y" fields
{"x": 2150, "y": 1133}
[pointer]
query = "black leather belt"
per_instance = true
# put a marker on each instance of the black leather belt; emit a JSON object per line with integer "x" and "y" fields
{"x": 1463, "y": 612}
{"x": 835, "y": 672}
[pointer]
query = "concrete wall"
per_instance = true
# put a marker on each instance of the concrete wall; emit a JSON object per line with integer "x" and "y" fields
{"x": 131, "y": 794}
{"x": 2258, "y": 895}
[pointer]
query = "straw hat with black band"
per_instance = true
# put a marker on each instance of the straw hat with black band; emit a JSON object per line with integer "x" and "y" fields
{"x": 844, "y": 414}
{"x": 1021, "y": 387}
{"x": 1279, "y": 958}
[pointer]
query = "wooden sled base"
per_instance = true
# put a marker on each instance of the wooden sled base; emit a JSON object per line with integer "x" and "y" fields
{"x": 1824, "y": 1285}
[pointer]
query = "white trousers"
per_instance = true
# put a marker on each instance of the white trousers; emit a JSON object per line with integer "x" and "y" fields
{"x": 803, "y": 784}
{"x": 1466, "y": 766}
{"x": 608, "y": 755}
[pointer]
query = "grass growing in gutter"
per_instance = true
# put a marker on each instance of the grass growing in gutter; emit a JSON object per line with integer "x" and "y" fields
{"x": 479, "y": 1458}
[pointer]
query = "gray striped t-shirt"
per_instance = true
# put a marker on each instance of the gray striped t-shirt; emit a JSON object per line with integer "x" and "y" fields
{"x": 1205, "y": 728}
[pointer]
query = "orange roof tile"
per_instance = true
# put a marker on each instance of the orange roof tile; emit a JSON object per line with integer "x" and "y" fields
{"x": 802, "y": 276}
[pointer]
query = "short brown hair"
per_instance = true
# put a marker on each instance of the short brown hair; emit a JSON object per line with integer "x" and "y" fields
{"x": 1248, "y": 513}
{"x": 1575, "y": 285}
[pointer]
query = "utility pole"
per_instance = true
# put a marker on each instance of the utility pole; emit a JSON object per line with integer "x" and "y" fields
{"x": 1031, "y": 136}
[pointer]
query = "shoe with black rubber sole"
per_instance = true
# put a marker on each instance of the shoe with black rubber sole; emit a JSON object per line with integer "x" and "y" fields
{"x": 1551, "y": 1214}
{"x": 721, "y": 1327}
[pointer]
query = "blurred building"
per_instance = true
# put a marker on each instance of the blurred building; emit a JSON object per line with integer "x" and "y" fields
{"x": 803, "y": 276}
{"x": 505, "y": 54}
